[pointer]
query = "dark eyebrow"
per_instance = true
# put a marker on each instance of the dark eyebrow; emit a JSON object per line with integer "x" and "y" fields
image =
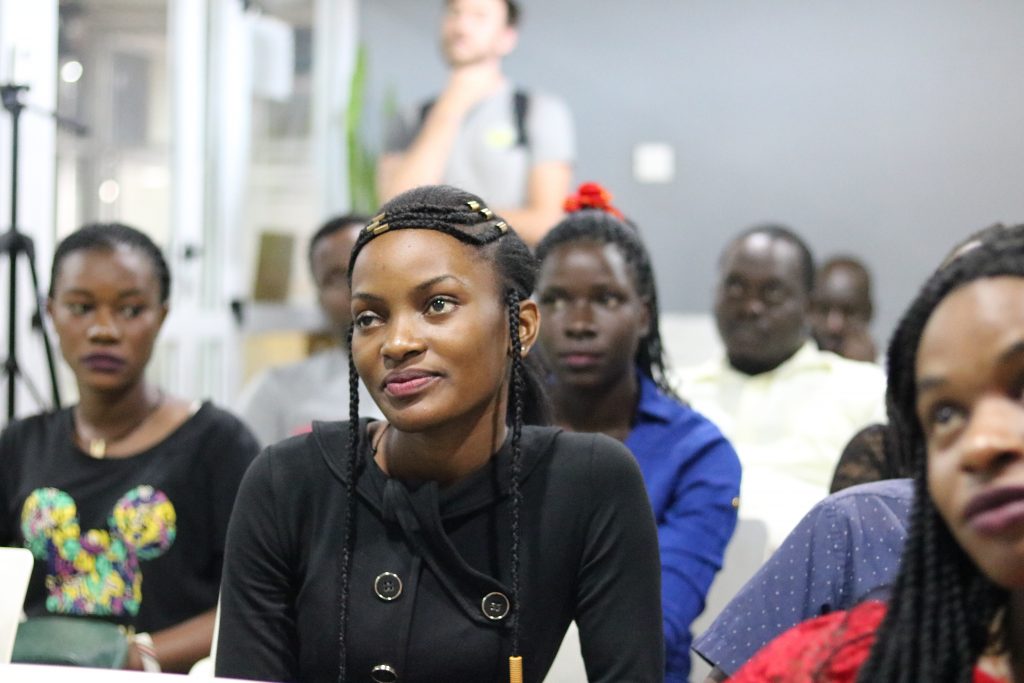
{"x": 929, "y": 383}
{"x": 1012, "y": 353}
{"x": 427, "y": 284}
{"x": 79, "y": 291}
{"x": 436, "y": 280}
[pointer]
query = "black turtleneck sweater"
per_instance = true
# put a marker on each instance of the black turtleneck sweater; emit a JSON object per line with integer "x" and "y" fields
{"x": 589, "y": 552}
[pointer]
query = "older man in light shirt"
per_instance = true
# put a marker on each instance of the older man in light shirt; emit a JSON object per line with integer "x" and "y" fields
{"x": 787, "y": 407}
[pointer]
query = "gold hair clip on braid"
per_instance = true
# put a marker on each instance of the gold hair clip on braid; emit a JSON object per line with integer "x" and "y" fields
{"x": 477, "y": 206}
{"x": 376, "y": 227}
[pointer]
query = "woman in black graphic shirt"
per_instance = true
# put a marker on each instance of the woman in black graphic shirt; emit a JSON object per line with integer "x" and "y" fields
{"x": 123, "y": 498}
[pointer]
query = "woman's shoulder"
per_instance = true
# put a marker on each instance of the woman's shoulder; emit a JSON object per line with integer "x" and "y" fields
{"x": 214, "y": 427}
{"x": 830, "y": 648}
{"x": 39, "y": 426}
{"x": 326, "y": 445}
{"x": 208, "y": 415}
{"x": 585, "y": 454}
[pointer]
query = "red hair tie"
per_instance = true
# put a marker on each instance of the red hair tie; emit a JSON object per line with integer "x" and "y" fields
{"x": 591, "y": 196}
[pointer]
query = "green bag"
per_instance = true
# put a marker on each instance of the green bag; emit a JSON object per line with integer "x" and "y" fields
{"x": 71, "y": 641}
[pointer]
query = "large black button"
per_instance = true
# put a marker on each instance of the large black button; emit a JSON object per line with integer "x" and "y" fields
{"x": 387, "y": 586}
{"x": 495, "y": 606}
{"x": 382, "y": 673}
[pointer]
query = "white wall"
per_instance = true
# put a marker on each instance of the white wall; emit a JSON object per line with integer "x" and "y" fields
{"x": 886, "y": 129}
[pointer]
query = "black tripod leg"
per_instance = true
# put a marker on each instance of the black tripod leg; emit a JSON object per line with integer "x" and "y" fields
{"x": 14, "y": 372}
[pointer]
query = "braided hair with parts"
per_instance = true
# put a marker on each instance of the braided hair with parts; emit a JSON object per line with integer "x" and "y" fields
{"x": 465, "y": 217}
{"x": 943, "y": 608}
{"x": 599, "y": 225}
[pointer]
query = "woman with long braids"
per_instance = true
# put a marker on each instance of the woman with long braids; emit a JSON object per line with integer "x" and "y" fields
{"x": 601, "y": 343}
{"x": 453, "y": 541}
{"x": 956, "y": 406}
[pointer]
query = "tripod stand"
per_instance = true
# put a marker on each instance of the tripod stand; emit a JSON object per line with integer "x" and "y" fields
{"x": 15, "y": 243}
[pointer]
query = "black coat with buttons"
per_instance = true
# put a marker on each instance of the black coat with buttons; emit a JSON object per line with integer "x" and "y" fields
{"x": 430, "y": 579}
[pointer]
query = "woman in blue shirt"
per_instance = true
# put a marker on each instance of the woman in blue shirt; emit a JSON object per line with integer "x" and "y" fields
{"x": 601, "y": 343}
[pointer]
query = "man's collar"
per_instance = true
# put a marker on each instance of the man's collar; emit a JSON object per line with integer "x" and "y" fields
{"x": 807, "y": 357}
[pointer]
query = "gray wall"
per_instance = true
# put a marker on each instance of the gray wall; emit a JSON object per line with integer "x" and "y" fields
{"x": 886, "y": 129}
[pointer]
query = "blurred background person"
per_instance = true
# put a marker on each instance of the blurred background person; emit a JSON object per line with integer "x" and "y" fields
{"x": 601, "y": 342}
{"x": 842, "y": 309}
{"x": 283, "y": 401}
{"x": 123, "y": 498}
{"x": 787, "y": 407}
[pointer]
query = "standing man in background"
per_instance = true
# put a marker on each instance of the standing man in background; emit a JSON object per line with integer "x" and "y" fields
{"x": 513, "y": 147}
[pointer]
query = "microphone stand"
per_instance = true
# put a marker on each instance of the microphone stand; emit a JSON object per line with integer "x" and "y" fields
{"x": 15, "y": 243}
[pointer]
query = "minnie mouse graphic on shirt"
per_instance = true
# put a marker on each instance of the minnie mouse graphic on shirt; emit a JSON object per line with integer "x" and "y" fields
{"x": 97, "y": 573}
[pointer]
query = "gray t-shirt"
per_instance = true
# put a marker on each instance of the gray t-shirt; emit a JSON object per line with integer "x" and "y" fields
{"x": 485, "y": 158}
{"x": 284, "y": 400}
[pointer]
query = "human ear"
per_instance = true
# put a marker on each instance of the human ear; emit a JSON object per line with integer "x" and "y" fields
{"x": 529, "y": 324}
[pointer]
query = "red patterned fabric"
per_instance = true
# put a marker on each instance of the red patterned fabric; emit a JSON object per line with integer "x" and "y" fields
{"x": 831, "y": 648}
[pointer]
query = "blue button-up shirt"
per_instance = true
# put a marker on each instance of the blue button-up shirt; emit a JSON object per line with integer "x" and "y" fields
{"x": 844, "y": 550}
{"x": 692, "y": 475}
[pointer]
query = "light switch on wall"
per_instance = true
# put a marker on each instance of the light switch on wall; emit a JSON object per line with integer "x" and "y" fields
{"x": 654, "y": 162}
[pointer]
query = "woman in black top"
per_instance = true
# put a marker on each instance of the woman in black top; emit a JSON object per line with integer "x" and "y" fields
{"x": 123, "y": 498}
{"x": 449, "y": 542}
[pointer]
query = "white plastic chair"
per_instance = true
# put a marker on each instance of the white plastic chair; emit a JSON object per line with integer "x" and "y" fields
{"x": 748, "y": 549}
{"x": 568, "y": 665}
{"x": 15, "y": 571}
{"x": 206, "y": 667}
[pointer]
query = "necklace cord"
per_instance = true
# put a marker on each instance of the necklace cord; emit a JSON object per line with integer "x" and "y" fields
{"x": 96, "y": 447}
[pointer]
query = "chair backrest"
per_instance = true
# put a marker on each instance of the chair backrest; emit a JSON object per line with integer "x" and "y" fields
{"x": 15, "y": 570}
{"x": 568, "y": 666}
{"x": 689, "y": 338}
{"x": 206, "y": 667}
{"x": 747, "y": 551}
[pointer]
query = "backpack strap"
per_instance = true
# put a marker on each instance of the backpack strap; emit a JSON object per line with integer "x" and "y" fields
{"x": 424, "y": 110}
{"x": 521, "y": 106}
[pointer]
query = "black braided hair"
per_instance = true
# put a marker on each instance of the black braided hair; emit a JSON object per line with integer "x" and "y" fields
{"x": 516, "y": 408}
{"x": 942, "y": 608}
{"x": 107, "y": 237}
{"x": 465, "y": 217}
{"x": 348, "y": 533}
{"x": 599, "y": 226}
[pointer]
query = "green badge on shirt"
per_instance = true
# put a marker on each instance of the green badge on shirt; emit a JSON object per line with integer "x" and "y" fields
{"x": 500, "y": 137}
